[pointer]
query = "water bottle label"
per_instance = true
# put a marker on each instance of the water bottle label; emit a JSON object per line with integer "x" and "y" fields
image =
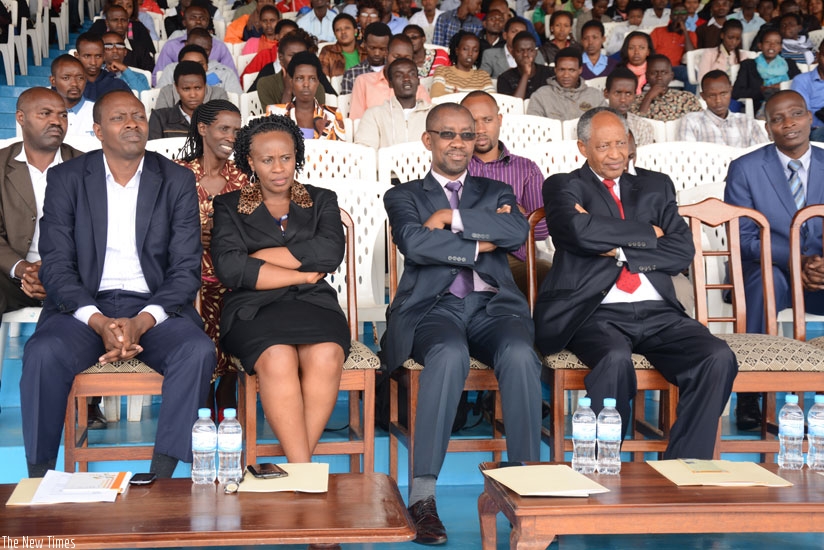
{"x": 609, "y": 432}
{"x": 817, "y": 427}
{"x": 230, "y": 442}
{"x": 204, "y": 441}
{"x": 791, "y": 428}
{"x": 583, "y": 430}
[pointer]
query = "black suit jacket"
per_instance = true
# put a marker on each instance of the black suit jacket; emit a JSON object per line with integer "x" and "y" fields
{"x": 580, "y": 277}
{"x": 313, "y": 235}
{"x": 74, "y": 227}
{"x": 432, "y": 258}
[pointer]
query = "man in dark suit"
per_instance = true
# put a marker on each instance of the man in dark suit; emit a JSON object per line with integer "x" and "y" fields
{"x": 457, "y": 298}
{"x": 120, "y": 241}
{"x": 619, "y": 240}
{"x": 777, "y": 180}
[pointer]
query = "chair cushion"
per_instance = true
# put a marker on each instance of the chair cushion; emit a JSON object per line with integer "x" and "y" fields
{"x": 361, "y": 358}
{"x": 411, "y": 364}
{"x": 765, "y": 353}
{"x": 817, "y": 342}
{"x": 132, "y": 365}
{"x": 568, "y": 360}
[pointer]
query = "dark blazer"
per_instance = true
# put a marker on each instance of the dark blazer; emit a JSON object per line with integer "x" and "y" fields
{"x": 748, "y": 82}
{"x": 757, "y": 180}
{"x": 432, "y": 258}
{"x": 580, "y": 277}
{"x": 74, "y": 226}
{"x": 18, "y": 209}
{"x": 313, "y": 235}
{"x": 168, "y": 122}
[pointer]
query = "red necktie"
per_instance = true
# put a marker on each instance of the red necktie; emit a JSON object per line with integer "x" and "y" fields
{"x": 627, "y": 281}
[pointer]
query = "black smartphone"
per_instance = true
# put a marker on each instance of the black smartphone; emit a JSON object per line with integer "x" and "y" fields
{"x": 142, "y": 479}
{"x": 266, "y": 470}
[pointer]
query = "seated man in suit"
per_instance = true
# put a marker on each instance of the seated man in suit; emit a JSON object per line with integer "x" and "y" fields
{"x": 120, "y": 242}
{"x": 778, "y": 180}
{"x": 457, "y": 298}
{"x": 618, "y": 242}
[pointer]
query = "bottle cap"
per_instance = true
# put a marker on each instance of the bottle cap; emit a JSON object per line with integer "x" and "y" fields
{"x": 791, "y": 398}
{"x": 586, "y": 401}
{"x": 609, "y": 402}
{"x": 229, "y": 413}
{"x": 819, "y": 398}
{"x": 204, "y": 413}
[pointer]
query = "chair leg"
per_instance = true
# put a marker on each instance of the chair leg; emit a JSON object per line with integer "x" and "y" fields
{"x": 558, "y": 427}
{"x": 83, "y": 430}
{"x": 247, "y": 401}
{"x": 369, "y": 422}
{"x": 354, "y": 428}
{"x": 497, "y": 432}
{"x": 393, "y": 423}
{"x": 411, "y": 413}
{"x": 70, "y": 437}
{"x": 716, "y": 453}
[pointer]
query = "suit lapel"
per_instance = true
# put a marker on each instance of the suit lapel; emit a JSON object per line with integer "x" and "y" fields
{"x": 20, "y": 178}
{"x": 775, "y": 175}
{"x": 96, "y": 195}
{"x": 629, "y": 195}
{"x": 600, "y": 189}
{"x": 815, "y": 186}
{"x": 147, "y": 194}
{"x": 434, "y": 193}
{"x": 472, "y": 192}
{"x": 300, "y": 221}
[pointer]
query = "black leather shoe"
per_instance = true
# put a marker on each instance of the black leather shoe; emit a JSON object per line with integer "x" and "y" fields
{"x": 96, "y": 419}
{"x": 748, "y": 412}
{"x": 425, "y": 517}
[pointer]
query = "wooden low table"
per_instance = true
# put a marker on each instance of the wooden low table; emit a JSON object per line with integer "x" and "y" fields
{"x": 643, "y": 501}
{"x": 175, "y": 512}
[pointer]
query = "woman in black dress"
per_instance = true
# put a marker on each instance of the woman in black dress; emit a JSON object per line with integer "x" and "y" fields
{"x": 273, "y": 242}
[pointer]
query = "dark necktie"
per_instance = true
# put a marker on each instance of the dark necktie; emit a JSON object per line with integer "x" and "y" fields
{"x": 462, "y": 285}
{"x": 627, "y": 280}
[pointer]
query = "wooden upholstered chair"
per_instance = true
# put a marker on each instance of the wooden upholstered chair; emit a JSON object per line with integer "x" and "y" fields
{"x": 767, "y": 363}
{"x": 358, "y": 377}
{"x": 565, "y": 372}
{"x": 481, "y": 378}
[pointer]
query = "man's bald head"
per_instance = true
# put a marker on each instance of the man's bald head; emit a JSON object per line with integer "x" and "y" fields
{"x": 31, "y": 97}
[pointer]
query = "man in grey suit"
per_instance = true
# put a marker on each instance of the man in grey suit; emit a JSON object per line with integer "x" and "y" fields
{"x": 496, "y": 61}
{"x": 42, "y": 116}
{"x": 778, "y": 180}
{"x": 457, "y": 298}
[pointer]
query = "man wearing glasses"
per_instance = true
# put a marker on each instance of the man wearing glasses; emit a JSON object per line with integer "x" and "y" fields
{"x": 457, "y": 298}
{"x": 114, "y": 50}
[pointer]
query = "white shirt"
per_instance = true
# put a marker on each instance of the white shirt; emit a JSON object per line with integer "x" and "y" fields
{"x": 650, "y": 20}
{"x": 321, "y": 28}
{"x": 121, "y": 266}
{"x": 38, "y": 183}
{"x": 80, "y": 119}
{"x": 509, "y": 59}
{"x": 645, "y": 292}
{"x": 803, "y": 172}
{"x": 478, "y": 284}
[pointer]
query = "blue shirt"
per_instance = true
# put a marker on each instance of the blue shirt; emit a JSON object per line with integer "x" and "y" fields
{"x": 448, "y": 26}
{"x": 811, "y": 87}
{"x": 598, "y": 67}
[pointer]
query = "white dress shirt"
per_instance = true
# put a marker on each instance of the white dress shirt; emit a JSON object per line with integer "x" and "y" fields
{"x": 80, "y": 119}
{"x": 121, "y": 266}
{"x": 644, "y": 293}
{"x": 38, "y": 183}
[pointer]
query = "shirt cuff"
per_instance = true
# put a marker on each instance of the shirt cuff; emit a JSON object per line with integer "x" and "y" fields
{"x": 457, "y": 222}
{"x": 157, "y": 312}
{"x": 14, "y": 268}
{"x": 83, "y": 314}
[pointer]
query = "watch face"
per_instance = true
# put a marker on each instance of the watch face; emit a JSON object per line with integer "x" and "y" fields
{"x": 231, "y": 487}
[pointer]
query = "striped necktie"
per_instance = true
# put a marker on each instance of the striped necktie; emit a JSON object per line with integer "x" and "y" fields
{"x": 795, "y": 184}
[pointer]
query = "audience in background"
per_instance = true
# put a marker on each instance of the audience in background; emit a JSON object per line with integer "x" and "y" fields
{"x": 658, "y": 15}
{"x": 496, "y": 61}
{"x": 527, "y": 76}
{"x": 595, "y": 63}
{"x": 249, "y": 25}
{"x": 344, "y": 53}
{"x": 716, "y": 123}
{"x": 190, "y": 83}
{"x": 395, "y": 22}
{"x": 217, "y": 74}
{"x": 660, "y": 102}
{"x": 98, "y": 80}
{"x": 728, "y": 52}
{"x": 427, "y": 59}
{"x": 620, "y": 93}
{"x": 761, "y": 77}
{"x": 452, "y": 22}
{"x": 491, "y": 36}
{"x": 674, "y": 40}
{"x": 69, "y": 80}
{"x": 750, "y": 20}
{"x": 634, "y": 54}
{"x": 635, "y": 13}
{"x": 795, "y": 45}
{"x": 276, "y": 89}
{"x": 560, "y": 26}
{"x": 566, "y": 95}
{"x": 140, "y": 48}
{"x": 426, "y": 18}
{"x": 811, "y": 87}
{"x": 376, "y": 40}
{"x": 463, "y": 75}
{"x": 268, "y": 19}
{"x": 318, "y": 22}
{"x": 709, "y": 35}
{"x": 168, "y": 96}
{"x": 114, "y": 50}
{"x": 597, "y": 13}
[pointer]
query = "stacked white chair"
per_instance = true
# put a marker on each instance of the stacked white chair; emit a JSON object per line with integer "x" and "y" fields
{"x": 556, "y": 157}
{"x": 336, "y": 160}
{"x": 522, "y": 131}
{"x": 688, "y": 163}
{"x": 405, "y": 161}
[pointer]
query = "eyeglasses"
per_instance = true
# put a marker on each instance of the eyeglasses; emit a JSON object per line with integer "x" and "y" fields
{"x": 449, "y": 135}
{"x": 119, "y": 46}
{"x": 368, "y": 15}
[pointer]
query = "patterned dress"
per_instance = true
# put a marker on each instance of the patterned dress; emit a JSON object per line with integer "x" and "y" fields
{"x": 211, "y": 290}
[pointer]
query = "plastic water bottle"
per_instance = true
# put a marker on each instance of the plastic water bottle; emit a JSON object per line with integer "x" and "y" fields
{"x": 204, "y": 445}
{"x": 229, "y": 446}
{"x": 791, "y": 434}
{"x": 609, "y": 439}
{"x": 815, "y": 423}
{"x": 583, "y": 438}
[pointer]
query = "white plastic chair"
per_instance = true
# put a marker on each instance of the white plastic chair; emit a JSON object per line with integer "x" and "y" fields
{"x": 599, "y": 83}
{"x": 344, "y": 101}
{"x": 13, "y": 320}
{"x": 335, "y": 81}
{"x": 248, "y": 80}
{"x": 570, "y": 128}
{"x": 748, "y": 37}
{"x": 816, "y": 38}
{"x": 35, "y": 35}
{"x": 250, "y": 106}
{"x": 168, "y": 147}
{"x": 220, "y": 29}
{"x": 519, "y": 132}
{"x": 159, "y": 25}
{"x": 556, "y": 157}
{"x": 688, "y": 163}
{"x": 507, "y": 104}
{"x": 337, "y": 160}
{"x": 7, "y": 51}
{"x": 149, "y": 99}
{"x": 405, "y": 161}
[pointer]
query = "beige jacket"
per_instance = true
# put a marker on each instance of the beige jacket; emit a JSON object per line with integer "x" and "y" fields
{"x": 385, "y": 125}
